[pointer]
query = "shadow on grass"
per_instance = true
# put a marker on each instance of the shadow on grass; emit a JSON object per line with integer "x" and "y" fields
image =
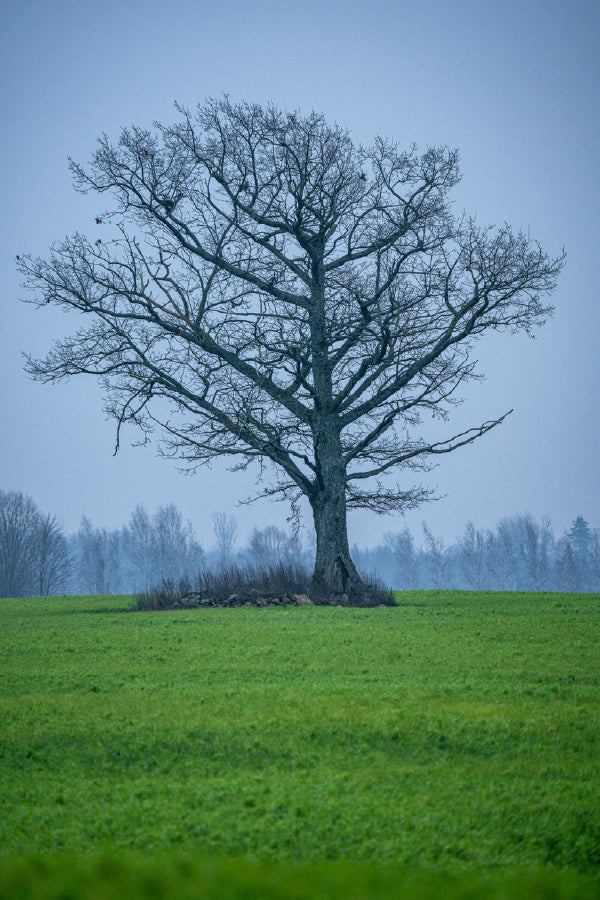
{"x": 107, "y": 875}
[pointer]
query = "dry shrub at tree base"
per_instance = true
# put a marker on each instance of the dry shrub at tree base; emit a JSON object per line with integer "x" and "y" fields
{"x": 283, "y": 584}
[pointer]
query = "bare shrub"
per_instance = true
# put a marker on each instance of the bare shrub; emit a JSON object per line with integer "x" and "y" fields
{"x": 235, "y": 585}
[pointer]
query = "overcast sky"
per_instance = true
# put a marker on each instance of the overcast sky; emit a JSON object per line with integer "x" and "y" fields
{"x": 513, "y": 84}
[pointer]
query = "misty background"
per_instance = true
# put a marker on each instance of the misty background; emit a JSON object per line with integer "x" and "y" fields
{"x": 157, "y": 550}
{"x": 515, "y": 87}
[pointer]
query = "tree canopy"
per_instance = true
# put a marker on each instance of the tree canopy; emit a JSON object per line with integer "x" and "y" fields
{"x": 264, "y": 289}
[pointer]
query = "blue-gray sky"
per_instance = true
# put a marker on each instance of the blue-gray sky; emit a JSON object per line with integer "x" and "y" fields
{"x": 514, "y": 85}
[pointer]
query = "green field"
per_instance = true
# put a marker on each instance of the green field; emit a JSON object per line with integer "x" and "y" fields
{"x": 324, "y": 752}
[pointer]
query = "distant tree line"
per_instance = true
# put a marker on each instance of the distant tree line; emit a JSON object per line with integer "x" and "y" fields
{"x": 38, "y": 558}
{"x": 520, "y": 554}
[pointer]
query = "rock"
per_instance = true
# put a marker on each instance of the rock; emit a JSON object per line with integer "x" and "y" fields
{"x": 302, "y": 600}
{"x": 188, "y": 601}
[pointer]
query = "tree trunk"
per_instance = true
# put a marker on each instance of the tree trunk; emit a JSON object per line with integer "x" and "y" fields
{"x": 335, "y": 574}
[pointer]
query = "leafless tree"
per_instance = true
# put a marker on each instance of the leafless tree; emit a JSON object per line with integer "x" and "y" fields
{"x": 140, "y": 547}
{"x": 535, "y": 549}
{"x": 99, "y": 559}
{"x": 270, "y": 546}
{"x": 225, "y": 528}
{"x": 159, "y": 547}
{"x": 503, "y": 548}
{"x": 176, "y": 551}
{"x": 435, "y": 559}
{"x": 271, "y": 292}
{"x": 473, "y": 556}
{"x": 18, "y": 533}
{"x": 52, "y": 558}
{"x": 34, "y": 557}
{"x": 402, "y": 546}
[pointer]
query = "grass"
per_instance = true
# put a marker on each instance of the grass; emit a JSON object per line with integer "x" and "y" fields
{"x": 453, "y": 737}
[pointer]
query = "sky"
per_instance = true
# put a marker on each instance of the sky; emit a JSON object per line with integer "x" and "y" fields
{"x": 514, "y": 85}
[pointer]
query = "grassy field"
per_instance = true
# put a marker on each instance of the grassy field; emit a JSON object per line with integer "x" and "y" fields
{"x": 321, "y": 752}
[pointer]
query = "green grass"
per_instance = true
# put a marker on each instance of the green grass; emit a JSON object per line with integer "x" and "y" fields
{"x": 456, "y": 736}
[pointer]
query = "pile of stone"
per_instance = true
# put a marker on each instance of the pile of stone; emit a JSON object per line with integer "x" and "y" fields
{"x": 196, "y": 600}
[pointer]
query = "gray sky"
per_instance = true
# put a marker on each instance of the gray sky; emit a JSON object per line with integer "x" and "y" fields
{"x": 514, "y": 85}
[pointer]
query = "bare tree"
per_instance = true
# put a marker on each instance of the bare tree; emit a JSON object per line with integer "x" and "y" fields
{"x": 18, "y": 536}
{"x": 176, "y": 551}
{"x": 435, "y": 559}
{"x": 160, "y": 546}
{"x": 52, "y": 558}
{"x": 225, "y": 528}
{"x": 536, "y": 543}
{"x": 99, "y": 559}
{"x": 269, "y": 546}
{"x": 34, "y": 556}
{"x": 504, "y": 549}
{"x": 473, "y": 556}
{"x": 271, "y": 292}
{"x": 139, "y": 542}
{"x": 402, "y": 546}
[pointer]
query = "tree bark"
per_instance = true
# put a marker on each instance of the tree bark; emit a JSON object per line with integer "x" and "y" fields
{"x": 335, "y": 574}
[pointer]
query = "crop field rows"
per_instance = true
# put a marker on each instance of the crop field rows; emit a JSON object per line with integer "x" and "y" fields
{"x": 455, "y": 736}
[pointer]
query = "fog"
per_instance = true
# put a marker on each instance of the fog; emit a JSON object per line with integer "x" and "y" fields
{"x": 154, "y": 548}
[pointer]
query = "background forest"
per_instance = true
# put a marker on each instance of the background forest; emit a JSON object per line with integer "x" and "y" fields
{"x": 38, "y": 558}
